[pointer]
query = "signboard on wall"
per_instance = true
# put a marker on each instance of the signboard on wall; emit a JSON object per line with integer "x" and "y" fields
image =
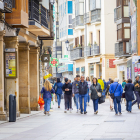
{"x": 10, "y": 65}
{"x": 45, "y": 58}
{"x": 54, "y": 62}
{"x": 110, "y": 63}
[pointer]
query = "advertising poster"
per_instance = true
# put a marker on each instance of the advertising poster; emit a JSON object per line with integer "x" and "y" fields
{"x": 10, "y": 64}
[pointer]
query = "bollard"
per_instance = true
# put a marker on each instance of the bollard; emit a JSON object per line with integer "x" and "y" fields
{"x": 12, "y": 108}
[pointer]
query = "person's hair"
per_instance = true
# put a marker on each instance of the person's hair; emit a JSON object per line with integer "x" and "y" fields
{"x": 47, "y": 85}
{"x": 124, "y": 80}
{"x": 111, "y": 81}
{"x": 87, "y": 78}
{"x": 116, "y": 80}
{"x": 69, "y": 81}
{"x": 77, "y": 76}
{"x": 129, "y": 81}
{"x": 136, "y": 76}
{"x": 95, "y": 79}
{"x": 82, "y": 76}
{"x": 58, "y": 80}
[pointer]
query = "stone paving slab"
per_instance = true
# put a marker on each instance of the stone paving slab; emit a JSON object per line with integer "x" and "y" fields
{"x": 74, "y": 126}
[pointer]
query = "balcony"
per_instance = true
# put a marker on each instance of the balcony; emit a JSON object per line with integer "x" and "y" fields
{"x": 123, "y": 49}
{"x": 96, "y": 16}
{"x": 77, "y": 53}
{"x": 78, "y": 21}
{"x": 87, "y": 18}
{"x": 38, "y": 24}
{"x": 19, "y": 16}
{"x": 6, "y": 6}
{"x": 92, "y": 50}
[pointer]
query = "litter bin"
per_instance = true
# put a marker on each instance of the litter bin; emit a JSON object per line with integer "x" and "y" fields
{"x": 12, "y": 108}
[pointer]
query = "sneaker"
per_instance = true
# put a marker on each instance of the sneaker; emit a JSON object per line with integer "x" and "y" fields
{"x": 45, "y": 112}
{"x": 77, "y": 111}
{"x": 120, "y": 113}
{"x": 85, "y": 112}
{"x": 116, "y": 114}
{"x": 68, "y": 109}
{"x": 81, "y": 112}
{"x": 49, "y": 114}
{"x": 65, "y": 111}
{"x": 97, "y": 112}
{"x": 94, "y": 112}
{"x": 58, "y": 106}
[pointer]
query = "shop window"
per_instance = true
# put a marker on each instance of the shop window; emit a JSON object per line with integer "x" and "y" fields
{"x": 126, "y": 11}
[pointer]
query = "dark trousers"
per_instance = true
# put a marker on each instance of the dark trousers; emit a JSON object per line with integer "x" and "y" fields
{"x": 137, "y": 98}
{"x": 68, "y": 100}
{"x": 117, "y": 104}
{"x": 129, "y": 105}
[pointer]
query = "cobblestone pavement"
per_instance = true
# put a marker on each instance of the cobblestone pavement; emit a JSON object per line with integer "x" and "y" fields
{"x": 75, "y": 126}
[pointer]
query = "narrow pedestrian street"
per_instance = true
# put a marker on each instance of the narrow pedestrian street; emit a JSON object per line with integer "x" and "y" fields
{"x": 75, "y": 126}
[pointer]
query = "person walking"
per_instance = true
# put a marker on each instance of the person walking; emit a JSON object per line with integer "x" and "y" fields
{"x": 47, "y": 97}
{"x": 117, "y": 90}
{"x": 104, "y": 87}
{"x": 108, "y": 93}
{"x": 89, "y": 84}
{"x": 67, "y": 88}
{"x": 137, "y": 91}
{"x": 100, "y": 81}
{"x": 95, "y": 88}
{"x": 75, "y": 91}
{"x": 83, "y": 88}
{"x": 58, "y": 90}
{"x": 129, "y": 96}
{"x": 123, "y": 86}
{"x": 108, "y": 83}
{"x": 74, "y": 99}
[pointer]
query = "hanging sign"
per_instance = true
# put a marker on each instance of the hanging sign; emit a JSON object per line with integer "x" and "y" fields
{"x": 47, "y": 76}
{"x": 54, "y": 62}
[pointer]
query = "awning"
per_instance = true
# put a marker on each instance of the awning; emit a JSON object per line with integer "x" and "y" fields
{"x": 121, "y": 61}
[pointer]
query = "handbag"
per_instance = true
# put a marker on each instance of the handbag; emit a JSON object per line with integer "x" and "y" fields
{"x": 112, "y": 94}
{"x": 123, "y": 95}
{"x": 98, "y": 93}
{"x": 101, "y": 99}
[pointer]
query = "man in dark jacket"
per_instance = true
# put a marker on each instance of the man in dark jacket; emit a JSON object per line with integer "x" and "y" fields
{"x": 108, "y": 83}
{"x": 83, "y": 88}
{"x": 67, "y": 87}
{"x": 137, "y": 91}
{"x": 75, "y": 90}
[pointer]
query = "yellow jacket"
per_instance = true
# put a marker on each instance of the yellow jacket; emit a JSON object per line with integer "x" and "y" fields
{"x": 100, "y": 81}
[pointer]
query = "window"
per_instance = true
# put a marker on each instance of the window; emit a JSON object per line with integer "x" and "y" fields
{"x": 127, "y": 47}
{"x": 126, "y": 2}
{"x": 13, "y": 3}
{"x": 57, "y": 32}
{"x": 126, "y": 33}
{"x": 59, "y": 56}
{"x": 70, "y": 31}
{"x": 126, "y": 11}
{"x": 70, "y": 19}
{"x": 70, "y": 7}
{"x": 119, "y": 3}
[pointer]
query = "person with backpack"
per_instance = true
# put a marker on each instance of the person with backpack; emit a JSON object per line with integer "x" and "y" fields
{"x": 58, "y": 90}
{"x": 116, "y": 91}
{"x": 67, "y": 88}
{"x": 47, "y": 97}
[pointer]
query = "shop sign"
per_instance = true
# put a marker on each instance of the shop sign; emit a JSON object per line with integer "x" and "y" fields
{"x": 10, "y": 50}
{"x": 135, "y": 59}
{"x": 66, "y": 56}
{"x": 10, "y": 65}
{"x": 110, "y": 63}
{"x": 64, "y": 60}
{"x": 82, "y": 69}
{"x": 77, "y": 69}
{"x": 137, "y": 70}
{"x": 54, "y": 62}
{"x": 45, "y": 58}
{"x": 47, "y": 76}
{"x": 122, "y": 68}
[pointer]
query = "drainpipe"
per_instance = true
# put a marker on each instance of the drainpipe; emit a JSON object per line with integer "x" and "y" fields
{"x": 85, "y": 37}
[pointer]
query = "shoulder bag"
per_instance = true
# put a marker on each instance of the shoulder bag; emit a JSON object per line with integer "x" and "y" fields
{"x": 98, "y": 93}
{"x": 112, "y": 94}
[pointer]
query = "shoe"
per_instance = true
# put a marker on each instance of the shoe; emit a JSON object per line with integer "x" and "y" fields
{"x": 97, "y": 112}
{"x": 88, "y": 104}
{"x": 116, "y": 114}
{"x": 94, "y": 112}
{"x": 49, "y": 114}
{"x": 68, "y": 109}
{"x": 85, "y": 112}
{"x": 45, "y": 112}
{"x": 58, "y": 106}
{"x": 81, "y": 112}
{"x": 77, "y": 111}
{"x": 65, "y": 111}
{"x": 120, "y": 113}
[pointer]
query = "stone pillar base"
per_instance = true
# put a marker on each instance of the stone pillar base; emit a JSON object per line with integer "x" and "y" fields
{"x": 25, "y": 110}
{"x": 3, "y": 117}
{"x": 35, "y": 109}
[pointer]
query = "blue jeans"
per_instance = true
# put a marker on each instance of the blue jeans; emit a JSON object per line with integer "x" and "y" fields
{"x": 137, "y": 99}
{"x": 129, "y": 105}
{"x": 117, "y": 104}
{"x": 47, "y": 104}
{"x": 88, "y": 97}
{"x": 77, "y": 100}
{"x": 81, "y": 97}
{"x": 59, "y": 99}
{"x": 95, "y": 104}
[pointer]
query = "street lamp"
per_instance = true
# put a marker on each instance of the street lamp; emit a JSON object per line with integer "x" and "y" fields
{"x": 52, "y": 2}
{"x": 67, "y": 44}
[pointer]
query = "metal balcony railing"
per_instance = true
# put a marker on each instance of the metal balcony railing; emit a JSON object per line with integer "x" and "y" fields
{"x": 34, "y": 10}
{"x": 80, "y": 20}
{"x": 74, "y": 23}
{"x": 86, "y": 18}
{"x": 123, "y": 51}
{"x": 7, "y": 6}
{"x": 77, "y": 53}
{"x": 44, "y": 17}
{"x": 96, "y": 15}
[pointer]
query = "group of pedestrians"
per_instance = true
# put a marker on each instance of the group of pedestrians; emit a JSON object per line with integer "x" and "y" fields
{"x": 83, "y": 90}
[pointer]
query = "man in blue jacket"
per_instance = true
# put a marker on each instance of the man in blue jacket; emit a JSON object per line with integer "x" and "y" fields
{"x": 117, "y": 89}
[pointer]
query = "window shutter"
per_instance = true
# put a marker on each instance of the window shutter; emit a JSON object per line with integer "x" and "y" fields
{"x": 83, "y": 43}
{"x": 77, "y": 41}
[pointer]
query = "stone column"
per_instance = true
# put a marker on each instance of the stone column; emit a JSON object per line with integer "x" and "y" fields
{"x": 34, "y": 78}
{"x": 12, "y": 84}
{"x": 3, "y": 115}
{"x": 24, "y": 78}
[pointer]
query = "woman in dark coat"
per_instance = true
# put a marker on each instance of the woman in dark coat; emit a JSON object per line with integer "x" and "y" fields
{"x": 129, "y": 94}
{"x": 94, "y": 89}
